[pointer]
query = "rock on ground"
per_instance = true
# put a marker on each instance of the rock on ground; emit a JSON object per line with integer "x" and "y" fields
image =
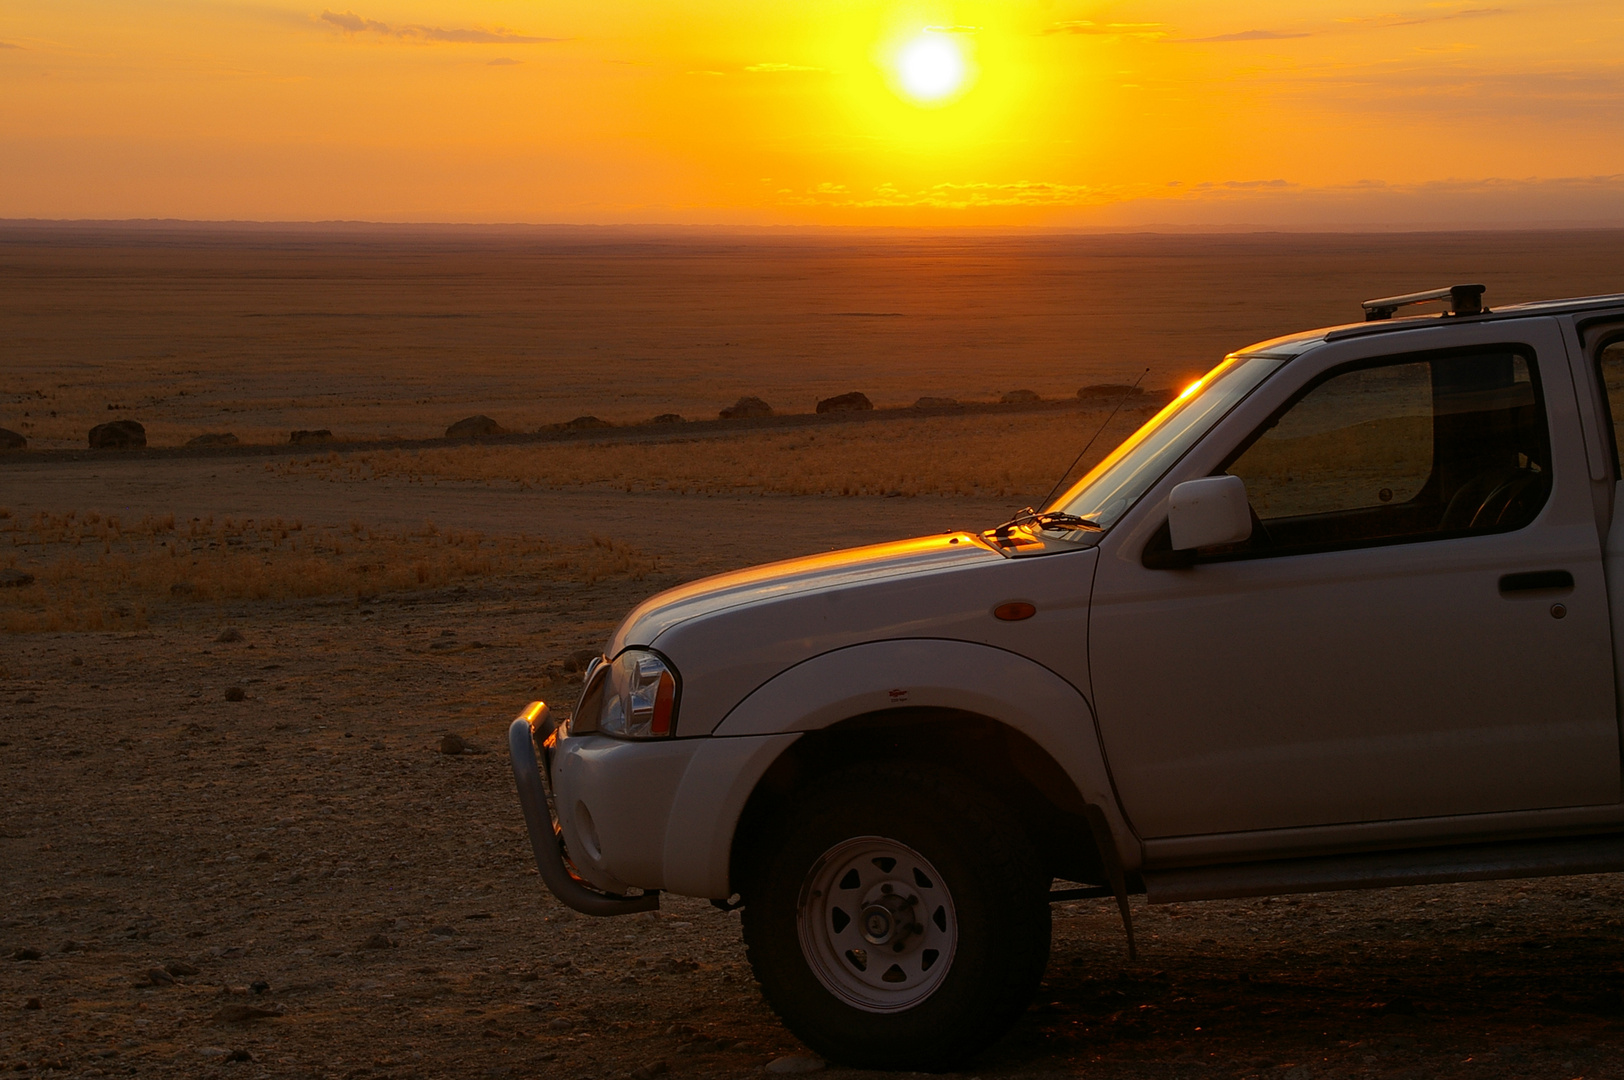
{"x": 320, "y": 435}
{"x": 12, "y": 440}
{"x": 852, "y": 402}
{"x": 746, "y": 407}
{"x": 1107, "y": 390}
{"x": 472, "y": 426}
{"x": 118, "y": 435}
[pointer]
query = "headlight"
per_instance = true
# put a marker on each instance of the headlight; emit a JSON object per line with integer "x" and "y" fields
{"x": 633, "y": 696}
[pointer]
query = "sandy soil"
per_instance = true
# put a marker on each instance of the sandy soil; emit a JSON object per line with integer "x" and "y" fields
{"x": 322, "y": 893}
{"x": 401, "y": 332}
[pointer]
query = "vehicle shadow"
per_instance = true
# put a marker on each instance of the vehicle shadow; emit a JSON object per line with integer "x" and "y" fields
{"x": 1511, "y": 979}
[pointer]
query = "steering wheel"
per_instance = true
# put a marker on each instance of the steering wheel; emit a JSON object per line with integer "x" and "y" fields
{"x": 1492, "y": 499}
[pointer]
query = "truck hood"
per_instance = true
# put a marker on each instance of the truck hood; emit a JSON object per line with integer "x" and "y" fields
{"x": 809, "y": 574}
{"x": 728, "y": 635}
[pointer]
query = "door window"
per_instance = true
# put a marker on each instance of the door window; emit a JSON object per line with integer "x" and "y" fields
{"x": 1413, "y": 448}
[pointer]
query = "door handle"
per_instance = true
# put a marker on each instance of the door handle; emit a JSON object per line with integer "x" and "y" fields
{"x": 1536, "y": 581}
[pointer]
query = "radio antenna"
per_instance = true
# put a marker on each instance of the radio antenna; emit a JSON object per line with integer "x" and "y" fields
{"x": 1123, "y": 400}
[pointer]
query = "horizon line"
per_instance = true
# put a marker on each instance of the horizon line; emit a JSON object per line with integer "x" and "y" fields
{"x": 736, "y": 228}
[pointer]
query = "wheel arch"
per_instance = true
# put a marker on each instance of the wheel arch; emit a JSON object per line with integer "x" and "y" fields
{"x": 1003, "y": 720}
{"x": 1014, "y": 768}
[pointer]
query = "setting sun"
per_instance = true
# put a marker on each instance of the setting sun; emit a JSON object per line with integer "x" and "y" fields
{"x": 931, "y": 68}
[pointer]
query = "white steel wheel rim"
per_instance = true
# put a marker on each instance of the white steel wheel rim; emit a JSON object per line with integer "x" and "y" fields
{"x": 877, "y": 924}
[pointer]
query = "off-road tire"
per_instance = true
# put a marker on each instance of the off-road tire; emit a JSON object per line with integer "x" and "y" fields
{"x": 999, "y": 895}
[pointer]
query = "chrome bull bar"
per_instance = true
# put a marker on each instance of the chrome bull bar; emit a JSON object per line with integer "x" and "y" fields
{"x": 532, "y": 727}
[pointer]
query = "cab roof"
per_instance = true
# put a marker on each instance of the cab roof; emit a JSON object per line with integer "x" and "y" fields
{"x": 1293, "y": 344}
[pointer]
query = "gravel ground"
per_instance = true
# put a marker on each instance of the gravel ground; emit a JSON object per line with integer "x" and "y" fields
{"x": 300, "y": 884}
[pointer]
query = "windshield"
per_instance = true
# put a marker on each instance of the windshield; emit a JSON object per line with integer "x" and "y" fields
{"x": 1110, "y": 487}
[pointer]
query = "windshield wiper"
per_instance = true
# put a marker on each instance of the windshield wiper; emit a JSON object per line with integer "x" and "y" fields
{"x": 1057, "y": 520}
{"x": 1054, "y": 519}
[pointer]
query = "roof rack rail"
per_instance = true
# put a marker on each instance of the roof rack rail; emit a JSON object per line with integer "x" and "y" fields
{"x": 1463, "y": 300}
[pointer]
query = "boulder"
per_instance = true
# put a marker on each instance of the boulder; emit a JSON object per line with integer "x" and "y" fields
{"x": 588, "y": 422}
{"x": 937, "y": 403}
{"x": 11, "y": 440}
{"x": 852, "y": 402}
{"x": 1019, "y": 397}
{"x": 1109, "y": 391}
{"x": 667, "y": 418}
{"x": 213, "y": 438}
{"x": 118, "y": 435}
{"x": 320, "y": 435}
{"x": 469, "y": 427}
{"x": 746, "y": 407}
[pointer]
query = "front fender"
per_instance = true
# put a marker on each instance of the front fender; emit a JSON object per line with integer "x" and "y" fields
{"x": 926, "y": 672}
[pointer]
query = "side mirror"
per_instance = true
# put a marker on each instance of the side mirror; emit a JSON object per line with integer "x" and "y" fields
{"x": 1208, "y": 511}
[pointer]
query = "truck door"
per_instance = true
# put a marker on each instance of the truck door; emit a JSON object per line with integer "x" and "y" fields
{"x": 1417, "y": 628}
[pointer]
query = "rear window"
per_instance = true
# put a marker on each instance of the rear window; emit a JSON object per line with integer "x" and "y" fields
{"x": 1610, "y": 366}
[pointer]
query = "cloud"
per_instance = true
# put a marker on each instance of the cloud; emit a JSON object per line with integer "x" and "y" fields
{"x": 1430, "y": 92}
{"x": 1088, "y": 27}
{"x": 503, "y": 61}
{"x": 1494, "y": 202}
{"x": 8, "y": 45}
{"x": 1367, "y": 204}
{"x": 776, "y": 68}
{"x": 1251, "y": 35}
{"x": 952, "y": 196}
{"x": 1391, "y": 20}
{"x": 1244, "y": 185}
{"x": 1153, "y": 31}
{"x": 351, "y": 23}
{"x": 952, "y": 29}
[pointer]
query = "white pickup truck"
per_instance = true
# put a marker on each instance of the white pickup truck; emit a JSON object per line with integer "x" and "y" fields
{"x": 1340, "y": 616}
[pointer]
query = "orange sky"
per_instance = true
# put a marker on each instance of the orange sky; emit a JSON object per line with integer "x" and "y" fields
{"x": 747, "y": 112}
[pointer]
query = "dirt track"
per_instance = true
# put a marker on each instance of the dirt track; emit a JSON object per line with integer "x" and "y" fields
{"x": 311, "y": 840}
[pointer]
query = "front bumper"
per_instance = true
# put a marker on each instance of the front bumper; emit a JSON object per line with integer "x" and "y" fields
{"x": 657, "y": 815}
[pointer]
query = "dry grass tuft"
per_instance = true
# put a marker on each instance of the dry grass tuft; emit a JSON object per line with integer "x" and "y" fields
{"x": 97, "y": 573}
{"x": 988, "y": 455}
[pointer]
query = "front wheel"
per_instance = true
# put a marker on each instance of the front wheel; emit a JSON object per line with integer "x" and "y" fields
{"x": 897, "y": 919}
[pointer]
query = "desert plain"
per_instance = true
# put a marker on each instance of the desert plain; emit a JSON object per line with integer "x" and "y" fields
{"x": 231, "y": 841}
